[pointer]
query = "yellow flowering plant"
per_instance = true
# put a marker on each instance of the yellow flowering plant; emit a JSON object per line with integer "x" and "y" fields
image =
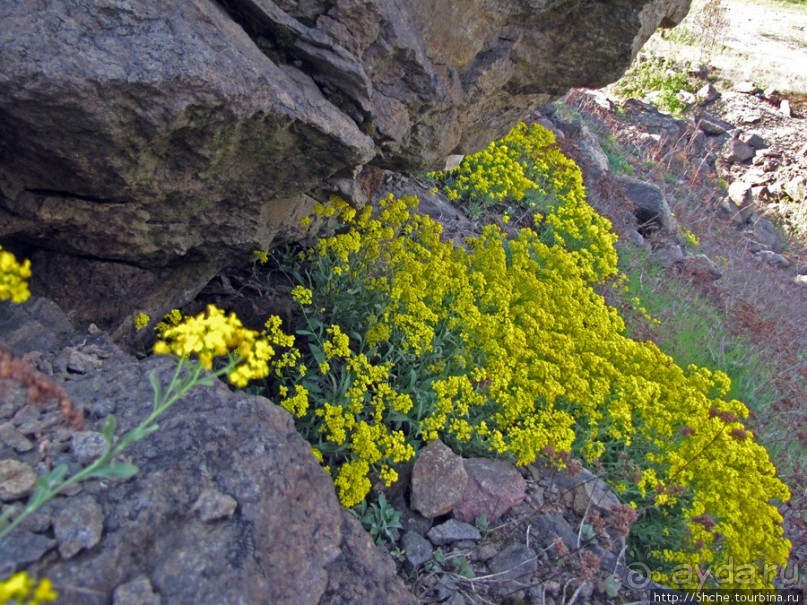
{"x": 14, "y": 277}
{"x": 503, "y": 346}
{"x": 21, "y": 589}
{"x": 526, "y": 168}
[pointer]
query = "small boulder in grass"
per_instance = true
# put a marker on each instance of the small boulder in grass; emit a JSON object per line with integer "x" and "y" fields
{"x": 494, "y": 487}
{"x": 438, "y": 480}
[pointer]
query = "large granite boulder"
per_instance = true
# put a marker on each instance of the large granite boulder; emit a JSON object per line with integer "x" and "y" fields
{"x": 229, "y": 505}
{"x": 156, "y": 135}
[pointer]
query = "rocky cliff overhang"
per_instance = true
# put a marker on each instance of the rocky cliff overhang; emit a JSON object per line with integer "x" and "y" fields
{"x": 145, "y": 144}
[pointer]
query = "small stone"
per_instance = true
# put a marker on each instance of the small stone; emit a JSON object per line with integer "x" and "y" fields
{"x": 453, "y": 531}
{"x": 784, "y": 108}
{"x": 486, "y": 552}
{"x": 706, "y": 94}
{"x": 735, "y": 151}
{"x": 137, "y": 592}
{"x": 773, "y": 95}
{"x": 767, "y": 234}
{"x": 14, "y": 439}
{"x": 701, "y": 71}
{"x": 740, "y": 193}
{"x": 88, "y": 446}
{"x": 7, "y": 409}
{"x": 701, "y": 267}
{"x": 635, "y": 238}
{"x": 753, "y": 140}
{"x": 801, "y": 280}
{"x": 517, "y": 564}
{"x": 453, "y": 161}
{"x": 79, "y": 362}
{"x": 746, "y": 88}
{"x": 758, "y": 177}
{"x": 17, "y": 480}
{"x": 796, "y": 189}
{"x": 551, "y": 526}
{"x": 212, "y": 505}
{"x": 456, "y": 599}
{"x": 593, "y": 493}
{"x": 686, "y": 97}
{"x": 670, "y": 255}
{"x": 438, "y": 480}
{"x": 711, "y": 125}
{"x": 770, "y": 257}
{"x": 759, "y": 193}
{"x": 494, "y": 487}
{"x": 417, "y": 549}
{"x": 78, "y": 526}
{"x": 25, "y": 548}
{"x": 751, "y": 117}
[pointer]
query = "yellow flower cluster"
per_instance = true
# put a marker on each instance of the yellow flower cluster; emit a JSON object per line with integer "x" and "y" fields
{"x": 213, "y": 334}
{"x": 141, "y": 320}
{"x": 301, "y": 295}
{"x": 352, "y": 429}
{"x": 13, "y": 277}
{"x": 527, "y": 167}
{"x": 20, "y": 589}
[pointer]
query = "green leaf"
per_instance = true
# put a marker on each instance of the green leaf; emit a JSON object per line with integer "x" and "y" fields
{"x": 109, "y": 428}
{"x": 317, "y": 354}
{"x": 116, "y": 470}
{"x": 152, "y": 428}
{"x": 464, "y": 567}
{"x": 142, "y": 432}
{"x": 54, "y": 477}
{"x": 155, "y": 385}
{"x": 612, "y": 586}
{"x": 6, "y": 516}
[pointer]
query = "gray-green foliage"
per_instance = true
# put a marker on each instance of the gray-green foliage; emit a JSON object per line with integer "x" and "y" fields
{"x": 379, "y": 519}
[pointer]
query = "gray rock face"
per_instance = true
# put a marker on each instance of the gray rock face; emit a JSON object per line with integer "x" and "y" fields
{"x": 229, "y": 505}
{"x": 149, "y": 135}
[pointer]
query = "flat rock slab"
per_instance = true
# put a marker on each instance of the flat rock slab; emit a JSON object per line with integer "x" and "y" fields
{"x": 453, "y": 531}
